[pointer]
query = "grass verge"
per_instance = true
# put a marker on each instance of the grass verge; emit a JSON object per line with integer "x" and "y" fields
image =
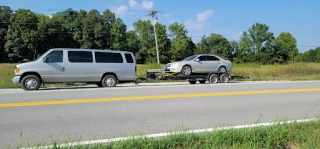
{"x": 287, "y": 135}
{"x": 256, "y": 72}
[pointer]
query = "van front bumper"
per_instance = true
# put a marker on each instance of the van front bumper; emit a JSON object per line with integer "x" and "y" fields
{"x": 16, "y": 79}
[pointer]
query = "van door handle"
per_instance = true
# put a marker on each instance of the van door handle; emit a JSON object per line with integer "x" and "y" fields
{"x": 63, "y": 69}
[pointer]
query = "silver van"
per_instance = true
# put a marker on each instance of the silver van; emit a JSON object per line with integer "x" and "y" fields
{"x": 104, "y": 68}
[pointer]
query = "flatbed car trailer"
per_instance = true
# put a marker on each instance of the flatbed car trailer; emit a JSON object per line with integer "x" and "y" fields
{"x": 211, "y": 77}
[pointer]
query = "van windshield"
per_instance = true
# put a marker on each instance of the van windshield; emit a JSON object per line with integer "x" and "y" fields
{"x": 40, "y": 57}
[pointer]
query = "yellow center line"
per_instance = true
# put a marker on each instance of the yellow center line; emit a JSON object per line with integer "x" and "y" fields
{"x": 57, "y": 102}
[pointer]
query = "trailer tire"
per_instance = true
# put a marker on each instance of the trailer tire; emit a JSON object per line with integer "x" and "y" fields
{"x": 213, "y": 79}
{"x": 202, "y": 81}
{"x": 224, "y": 78}
{"x": 192, "y": 82}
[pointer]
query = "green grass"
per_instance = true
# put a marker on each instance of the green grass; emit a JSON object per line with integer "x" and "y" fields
{"x": 287, "y": 135}
{"x": 295, "y": 71}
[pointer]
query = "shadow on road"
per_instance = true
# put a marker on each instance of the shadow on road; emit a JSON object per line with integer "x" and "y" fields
{"x": 128, "y": 85}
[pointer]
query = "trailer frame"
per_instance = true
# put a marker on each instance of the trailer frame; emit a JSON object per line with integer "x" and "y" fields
{"x": 211, "y": 77}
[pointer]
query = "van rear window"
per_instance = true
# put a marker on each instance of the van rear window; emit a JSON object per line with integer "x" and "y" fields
{"x": 80, "y": 56}
{"x": 129, "y": 58}
{"x": 105, "y": 57}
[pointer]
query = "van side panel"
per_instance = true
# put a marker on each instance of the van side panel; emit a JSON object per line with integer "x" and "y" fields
{"x": 130, "y": 73}
{"x": 79, "y": 66}
{"x": 112, "y": 62}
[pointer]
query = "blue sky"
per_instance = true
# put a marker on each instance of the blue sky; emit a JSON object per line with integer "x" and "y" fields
{"x": 226, "y": 17}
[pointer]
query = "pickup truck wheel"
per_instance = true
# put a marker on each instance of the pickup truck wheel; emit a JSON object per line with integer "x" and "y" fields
{"x": 109, "y": 81}
{"x": 30, "y": 82}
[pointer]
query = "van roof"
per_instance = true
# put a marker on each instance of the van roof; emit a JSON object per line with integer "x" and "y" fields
{"x": 76, "y": 49}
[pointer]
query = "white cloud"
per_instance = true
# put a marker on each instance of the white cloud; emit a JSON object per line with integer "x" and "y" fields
{"x": 201, "y": 22}
{"x": 201, "y": 17}
{"x": 121, "y": 10}
{"x": 237, "y": 35}
{"x": 134, "y": 4}
{"x": 146, "y": 4}
{"x": 190, "y": 24}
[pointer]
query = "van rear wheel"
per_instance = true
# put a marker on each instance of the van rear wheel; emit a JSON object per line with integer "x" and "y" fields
{"x": 109, "y": 81}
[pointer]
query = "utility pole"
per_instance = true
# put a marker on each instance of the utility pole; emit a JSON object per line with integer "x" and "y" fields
{"x": 154, "y": 22}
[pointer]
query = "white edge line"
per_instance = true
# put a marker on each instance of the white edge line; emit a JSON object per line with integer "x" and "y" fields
{"x": 173, "y": 133}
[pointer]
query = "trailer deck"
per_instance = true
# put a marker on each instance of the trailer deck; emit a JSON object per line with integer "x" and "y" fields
{"x": 211, "y": 77}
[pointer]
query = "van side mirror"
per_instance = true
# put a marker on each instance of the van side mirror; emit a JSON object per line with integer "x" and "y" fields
{"x": 45, "y": 59}
{"x": 197, "y": 60}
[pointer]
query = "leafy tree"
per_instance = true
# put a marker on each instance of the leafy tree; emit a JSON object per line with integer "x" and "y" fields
{"x": 255, "y": 44}
{"x": 5, "y": 14}
{"x": 180, "y": 42}
{"x": 132, "y": 42}
{"x": 215, "y": 44}
{"x": 118, "y": 35}
{"x": 202, "y": 46}
{"x": 22, "y": 37}
{"x": 108, "y": 19}
{"x": 147, "y": 52}
{"x": 312, "y": 55}
{"x": 286, "y": 46}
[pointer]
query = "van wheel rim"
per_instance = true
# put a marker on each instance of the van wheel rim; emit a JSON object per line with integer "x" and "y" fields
{"x": 109, "y": 81}
{"x": 31, "y": 83}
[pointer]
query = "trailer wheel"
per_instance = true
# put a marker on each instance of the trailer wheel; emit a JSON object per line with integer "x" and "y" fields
{"x": 192, "y": 82}
{"x": 224, "y": 78}
{"x": 213, "y": 78}
{"x": 202, "y": 81}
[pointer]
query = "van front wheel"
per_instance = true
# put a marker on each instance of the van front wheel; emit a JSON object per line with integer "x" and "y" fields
{"x": 30, "y": 82}
{"x": 109, "y": 81}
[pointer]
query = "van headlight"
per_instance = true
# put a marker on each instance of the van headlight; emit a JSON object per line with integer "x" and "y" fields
{"x": 16, "y": 70}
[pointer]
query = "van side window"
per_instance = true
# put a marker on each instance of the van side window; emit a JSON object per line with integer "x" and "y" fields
{"x": 129, "y": 58}
{"x": 80, "y": 56}
{"x": 55, "y": 57}
{"x": 105, "y": 57}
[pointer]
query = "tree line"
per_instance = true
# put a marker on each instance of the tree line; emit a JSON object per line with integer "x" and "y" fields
{"x": 24, "y": 35}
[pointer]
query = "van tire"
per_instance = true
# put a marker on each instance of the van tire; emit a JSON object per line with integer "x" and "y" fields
{"x": 112, "y": 81}
{"x": 30, "y": 82}
{"x": 99, "y": 84}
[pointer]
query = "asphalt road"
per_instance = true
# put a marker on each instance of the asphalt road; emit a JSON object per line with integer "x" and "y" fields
{"x": 96, "y": 113}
